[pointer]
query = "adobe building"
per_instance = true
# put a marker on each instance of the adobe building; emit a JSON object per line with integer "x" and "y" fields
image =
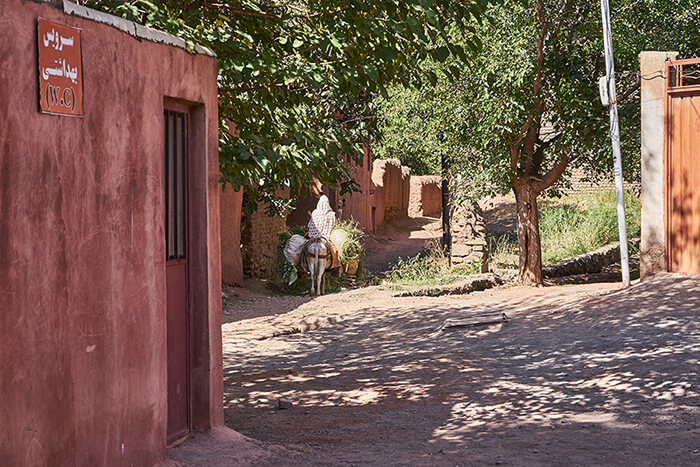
{"x": 110, "y": 281}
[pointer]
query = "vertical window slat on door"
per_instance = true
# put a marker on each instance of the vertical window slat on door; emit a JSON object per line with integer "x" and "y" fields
{"x": 175, "y": 165}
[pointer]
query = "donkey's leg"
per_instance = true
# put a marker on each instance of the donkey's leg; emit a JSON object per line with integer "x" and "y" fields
{"x": 321, "y": 277}
{"x": 312, "y": 273}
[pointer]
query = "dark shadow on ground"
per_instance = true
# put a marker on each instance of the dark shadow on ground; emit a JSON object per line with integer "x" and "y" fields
{"x": 254, "y": 300}
{"x": 606, "y": 381}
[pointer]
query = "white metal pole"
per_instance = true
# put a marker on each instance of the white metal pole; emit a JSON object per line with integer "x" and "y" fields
{"x": 615, "y": 135}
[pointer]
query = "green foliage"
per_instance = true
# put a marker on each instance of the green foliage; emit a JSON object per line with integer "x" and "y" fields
{"x": 575, "y": 228}
{"x": 414, "y": 131}
{"x": 430, "y": 268}
{"x": 351, "y": 227}
{"x": 526, "y": 109}
{"x": 481, "y": 117}
{"x": 287, "y": 271}
{"x": 352, "y": 250}
{"x": 571, "y": 226}
{"x": 503, "y": 252}
{"x": 295, "y": 76}
{"x": 333, "y": 285}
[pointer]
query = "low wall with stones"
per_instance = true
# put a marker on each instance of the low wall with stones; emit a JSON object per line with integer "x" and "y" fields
{"x": 425, "y": 197}
{"x": 469, "y": 236}
{"x": 592, "y": 262}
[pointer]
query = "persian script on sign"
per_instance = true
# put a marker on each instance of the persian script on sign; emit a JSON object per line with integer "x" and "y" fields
{"x": 60, "y": 69}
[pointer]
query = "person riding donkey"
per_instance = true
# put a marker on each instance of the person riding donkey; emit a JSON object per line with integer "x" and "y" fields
{"x": 319, "y": 253}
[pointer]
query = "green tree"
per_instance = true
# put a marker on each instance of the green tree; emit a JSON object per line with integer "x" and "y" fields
{"x": 526, "y": 110}
{"x": 295, "y": 75}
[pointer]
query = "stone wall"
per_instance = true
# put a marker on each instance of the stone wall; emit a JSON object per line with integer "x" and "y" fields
{"x": 587, "y": 263}
{"x": 469, "y": 236}
{"x": 260, "y": 239}
{"x": 425, "y": 197}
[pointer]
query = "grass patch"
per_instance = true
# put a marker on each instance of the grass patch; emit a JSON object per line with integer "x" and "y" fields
{"x": 503, "y": 252}
{"x": 571, "y": 226}
{"x": 428, "y": 269}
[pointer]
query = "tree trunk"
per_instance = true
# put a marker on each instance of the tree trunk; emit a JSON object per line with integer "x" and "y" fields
{"x": 530, "y": 270}
{"x": 446, "y": 231}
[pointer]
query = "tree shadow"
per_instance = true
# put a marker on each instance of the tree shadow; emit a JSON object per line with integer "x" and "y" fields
{"x": 608, "y": 377}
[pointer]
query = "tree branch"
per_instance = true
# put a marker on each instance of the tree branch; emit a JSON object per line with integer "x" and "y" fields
{"x": 554, "y": 174}
{"x": 513, "y": 156}
{"x": 534, "y": 129}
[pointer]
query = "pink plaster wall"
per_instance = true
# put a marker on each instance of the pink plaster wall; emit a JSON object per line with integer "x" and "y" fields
{"x": 82, "y": 283}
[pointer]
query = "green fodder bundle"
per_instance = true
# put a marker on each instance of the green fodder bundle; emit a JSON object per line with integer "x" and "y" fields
{"x": 352, "y": 250}
{"x": 286, "y": 271}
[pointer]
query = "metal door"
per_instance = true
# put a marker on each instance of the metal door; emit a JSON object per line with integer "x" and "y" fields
{"x": 176, "y": 272}
{"x": 683, "y": 166}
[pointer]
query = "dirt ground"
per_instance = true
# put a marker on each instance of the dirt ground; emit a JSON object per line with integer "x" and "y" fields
{"x": 586, "y": 375}
{"x": 580, "y": 376}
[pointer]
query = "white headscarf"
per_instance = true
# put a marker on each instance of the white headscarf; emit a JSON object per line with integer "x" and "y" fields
{"x": 322, "y": 219}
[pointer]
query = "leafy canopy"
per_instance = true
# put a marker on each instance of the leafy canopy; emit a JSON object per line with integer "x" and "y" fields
{"x": 295, "y": 75}
{"x": 482, "y": 118}
{"x": 526, "y": 110}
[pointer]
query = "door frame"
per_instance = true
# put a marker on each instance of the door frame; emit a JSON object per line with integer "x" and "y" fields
{"x": 177, "y": 106}
{"x": 675, "y": 87}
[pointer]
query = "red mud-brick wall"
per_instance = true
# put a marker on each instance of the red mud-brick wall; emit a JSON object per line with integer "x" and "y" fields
{"x": 348, "y": 206}
{"x": 378, "y": 207}
{"x": 82, "y": 248}
{"x": 395, "y": 182}
{"x": 425, "y": 195}
{"x": 357, "y": 205}
{"x": 231, "y": 255}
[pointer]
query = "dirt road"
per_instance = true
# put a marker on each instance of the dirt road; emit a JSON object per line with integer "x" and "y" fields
{"x": 582, "y": 375}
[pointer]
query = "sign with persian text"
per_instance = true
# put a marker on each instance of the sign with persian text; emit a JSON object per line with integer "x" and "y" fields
{"x": 60, "y": 69}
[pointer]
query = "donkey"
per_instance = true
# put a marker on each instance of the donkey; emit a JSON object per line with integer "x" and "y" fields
{"x": 317, "y": 258}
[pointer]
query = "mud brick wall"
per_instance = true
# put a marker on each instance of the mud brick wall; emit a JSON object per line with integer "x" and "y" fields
{"x": 358, "y": 205}
{"x": 260, "y": 239}
{"x": 394, "y": 179}
{"x": 425, "y": 197}
{"x": 231, "y": 255}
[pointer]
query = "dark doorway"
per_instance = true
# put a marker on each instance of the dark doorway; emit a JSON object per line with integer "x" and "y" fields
{"x": 177, "y": 274}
